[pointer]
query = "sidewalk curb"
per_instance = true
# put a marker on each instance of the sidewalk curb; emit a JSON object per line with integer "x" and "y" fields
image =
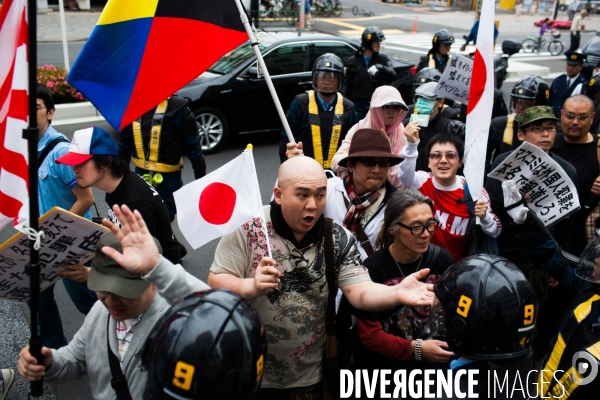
{"x": 76, "y": 113}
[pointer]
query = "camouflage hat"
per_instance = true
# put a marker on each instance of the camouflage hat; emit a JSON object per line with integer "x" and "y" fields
{"x": 535, "y": 113}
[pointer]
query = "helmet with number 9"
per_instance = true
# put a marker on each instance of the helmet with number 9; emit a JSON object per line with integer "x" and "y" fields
{"x": 211, "y": 345}
{"x": 487, "y": 306}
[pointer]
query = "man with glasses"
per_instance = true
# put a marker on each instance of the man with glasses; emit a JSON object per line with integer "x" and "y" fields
{"x": 358, "y": 200}
{"x": 320, "y": 118}
{"x": 57, "y": 186}
{"x": 575, "y": 144}
{"x": 569, "y": 84}
{"x": 129, "y": 307}
{"x": 537, "y": 125}
{"x": 446, "y": 188}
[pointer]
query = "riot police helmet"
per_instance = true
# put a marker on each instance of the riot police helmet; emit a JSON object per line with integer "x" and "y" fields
{"x": 329, "y": 71}
{"x": 532, "y": 88}
{"x": 443, "y": 36}
{"x": 485, "y": 308}
{"x": 370, "y": 35}
{"x": 592, "y": 89}
{"x": 211, "y": 345}
{"x": 426, "y": 75}
{"x": 588, "y": 267}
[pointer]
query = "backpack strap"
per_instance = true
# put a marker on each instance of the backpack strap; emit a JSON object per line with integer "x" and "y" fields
{"x": 118, "y": 381}
{"x": 470, "y": 205}
{"x": 432, "y": 256}
{"x": 330, "y": 275}
{"x": 49, "y": 147}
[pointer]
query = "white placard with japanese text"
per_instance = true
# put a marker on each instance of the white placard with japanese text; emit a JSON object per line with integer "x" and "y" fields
{"x": 553, "y": 194}
{"x": 455, "y": 81}
{"x": 68, "y": 239}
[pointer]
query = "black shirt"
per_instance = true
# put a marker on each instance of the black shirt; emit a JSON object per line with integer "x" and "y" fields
{"x": 137, "y": 194}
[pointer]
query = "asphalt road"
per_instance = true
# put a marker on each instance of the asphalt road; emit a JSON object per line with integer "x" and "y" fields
{"x": 198, "y": 261}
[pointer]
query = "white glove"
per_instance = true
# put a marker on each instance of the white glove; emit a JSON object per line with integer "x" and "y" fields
{"x": 512, "y": 196}
{"x": 373, "y": 72}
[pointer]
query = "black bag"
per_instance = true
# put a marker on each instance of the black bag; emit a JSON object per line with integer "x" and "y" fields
{"x": 480, "y": 243}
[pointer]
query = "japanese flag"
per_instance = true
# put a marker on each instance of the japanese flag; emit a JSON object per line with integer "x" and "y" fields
{"x": 220, "y": 202}
{"x": 481, "y": 101}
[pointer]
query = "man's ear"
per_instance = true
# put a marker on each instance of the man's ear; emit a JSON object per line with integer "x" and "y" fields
{"x": 521, "y": 135}
{"x": 350, "y": 166}
{"x": 50, "y": 113}
{"x": 277, "y": 192}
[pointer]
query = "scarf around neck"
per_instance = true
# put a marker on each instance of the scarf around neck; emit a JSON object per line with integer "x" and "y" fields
{"x": 358, "y": 203}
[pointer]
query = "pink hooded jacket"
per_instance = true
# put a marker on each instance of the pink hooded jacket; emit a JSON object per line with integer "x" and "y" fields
{"x": 374, "y": 120}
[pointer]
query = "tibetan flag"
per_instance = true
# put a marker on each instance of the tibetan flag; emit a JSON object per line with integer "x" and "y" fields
{"x": 220, "y": 202}
{"x": 481, "y": 102}
{"x": 14, "y": 193}
{"x": 143, "y": 51}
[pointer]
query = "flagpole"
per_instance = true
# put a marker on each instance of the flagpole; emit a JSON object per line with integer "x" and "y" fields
{"x": 263, "y": 67}
{"x": 36, "y": 388}
{"x": 262, "y": 211}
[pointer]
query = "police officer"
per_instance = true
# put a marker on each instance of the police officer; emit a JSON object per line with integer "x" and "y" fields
{"x": 367, "y": 70}
{"x": 571, "y": 367}
{"x": 485, "y": 309}
{"x": 592, "y": 90}
{"x": 439, "y": 54}
{"x": 568, "y": 84}
{"x": 211, "y": 345}
{"x": 156, "y": 142}
{"x": 530, "y": 91}
{"x": 320, "y": 118}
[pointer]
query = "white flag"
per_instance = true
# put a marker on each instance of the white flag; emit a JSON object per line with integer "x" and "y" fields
{"x": 220, "y": 202}
{"x": 481, "y": 101}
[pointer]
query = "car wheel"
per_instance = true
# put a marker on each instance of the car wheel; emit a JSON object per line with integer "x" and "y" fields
{"x": 212, "y": 128}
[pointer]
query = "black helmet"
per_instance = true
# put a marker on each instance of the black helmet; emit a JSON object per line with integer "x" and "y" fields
{"x": 443, "y": 36}
{"x": 426, "y": 75}
{"x": 328, "y": 63}
{"x": 591, "y": 89}
{"x": 210, "y": 345}
{"x": 531, "y": 87}
{"x": 488, "y": 306}
{"x": 370, "y": 35}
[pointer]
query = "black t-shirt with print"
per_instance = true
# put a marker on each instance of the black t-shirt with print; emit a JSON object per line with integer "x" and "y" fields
{"x": 137, "y": 194}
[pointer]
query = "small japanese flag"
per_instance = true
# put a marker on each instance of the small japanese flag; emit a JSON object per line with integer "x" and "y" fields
{"x": 220, "y": 202}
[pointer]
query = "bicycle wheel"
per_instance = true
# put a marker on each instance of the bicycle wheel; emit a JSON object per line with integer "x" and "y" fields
{"x": 355, "y": 10}
{"x": 326, "y": 12}
{"x": 529, "y": 45}
{"x": 337, "y": 10}
{"x": 556, "y": 47}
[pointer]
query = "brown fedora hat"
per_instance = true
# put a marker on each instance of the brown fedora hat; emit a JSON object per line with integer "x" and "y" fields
{"x": 370, "y": 143}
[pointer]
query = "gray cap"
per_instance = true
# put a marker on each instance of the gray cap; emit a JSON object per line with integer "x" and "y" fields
{"x": 427, "y": 91}
{"x": 108, "y": 276}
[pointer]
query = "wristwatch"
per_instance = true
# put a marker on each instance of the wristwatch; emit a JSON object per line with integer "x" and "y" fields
{"x": 418, "y": 354}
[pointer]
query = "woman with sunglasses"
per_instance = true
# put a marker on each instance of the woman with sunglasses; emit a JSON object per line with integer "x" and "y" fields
{"x": 400, "y": 338}
{"x": 386, "y": 113}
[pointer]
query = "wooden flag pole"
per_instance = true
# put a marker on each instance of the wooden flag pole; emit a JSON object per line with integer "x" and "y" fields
{"x": 263, "y": 67}
{"x": 31, "y": 135}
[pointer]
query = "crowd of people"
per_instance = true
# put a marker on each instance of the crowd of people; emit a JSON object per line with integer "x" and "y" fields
{"x": 370, "y": 213}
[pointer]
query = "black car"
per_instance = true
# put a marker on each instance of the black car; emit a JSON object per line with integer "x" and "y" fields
{"x": 232, "y": 96}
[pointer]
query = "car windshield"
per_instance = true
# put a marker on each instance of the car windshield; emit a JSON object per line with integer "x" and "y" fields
{"x": 233, "y": 59}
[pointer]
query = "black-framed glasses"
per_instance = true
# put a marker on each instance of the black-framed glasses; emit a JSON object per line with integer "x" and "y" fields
{"x": 103, "y": 295}
{"x": 370, "y": 162}
{"x": 450, "y": 155}
{"x": 571, "y": 116}
{"x": 418, "y": 230}
{"x": 540, "y": 129}
{"x": 39, "y": 108}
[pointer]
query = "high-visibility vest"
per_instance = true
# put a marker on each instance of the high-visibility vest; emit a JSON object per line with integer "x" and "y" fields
{"x": 315, "y": 126}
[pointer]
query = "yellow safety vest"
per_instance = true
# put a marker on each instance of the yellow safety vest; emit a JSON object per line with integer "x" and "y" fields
{"x": 508, "y": 131}
{"x": 150, "y": 161}
{"x": 571, "y": 378}
{"x": 315, "y": 126}
{"x": 432, "y": 61}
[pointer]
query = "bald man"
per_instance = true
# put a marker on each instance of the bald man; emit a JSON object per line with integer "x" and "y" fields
{"x": 289, "y": 290}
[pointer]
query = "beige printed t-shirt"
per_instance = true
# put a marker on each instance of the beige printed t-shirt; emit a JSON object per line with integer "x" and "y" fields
{"x": 293, "y": 314}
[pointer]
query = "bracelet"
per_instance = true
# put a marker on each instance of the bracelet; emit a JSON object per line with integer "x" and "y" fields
{"x": 418, "y": 354}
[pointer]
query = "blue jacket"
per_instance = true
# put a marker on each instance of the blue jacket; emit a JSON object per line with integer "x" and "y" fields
{"x": 560, "y": 92}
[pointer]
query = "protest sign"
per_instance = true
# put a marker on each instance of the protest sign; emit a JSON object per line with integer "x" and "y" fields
{"x": 455, "y": 81}
{"x": 422, "y": 120}
{"x": 68, "y": 239}
{"x": 553, "y": 194}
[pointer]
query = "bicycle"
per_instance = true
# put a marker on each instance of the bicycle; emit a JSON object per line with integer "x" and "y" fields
{"x": 555, "y": 46}
{"x": 356, "y": 11}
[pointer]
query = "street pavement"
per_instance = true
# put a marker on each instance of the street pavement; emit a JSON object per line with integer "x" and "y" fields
{"x": 397, "y": 21}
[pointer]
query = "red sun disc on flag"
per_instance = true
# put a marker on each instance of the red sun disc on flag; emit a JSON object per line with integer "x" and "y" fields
{"x": 217, "y": 202}
{"x": 478, "y": 81}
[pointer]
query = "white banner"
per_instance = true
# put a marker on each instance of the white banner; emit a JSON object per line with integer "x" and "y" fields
{"x": 456, "y": 79}
{"x": 68, "y": 239}
{"x": 553, "y": 194}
